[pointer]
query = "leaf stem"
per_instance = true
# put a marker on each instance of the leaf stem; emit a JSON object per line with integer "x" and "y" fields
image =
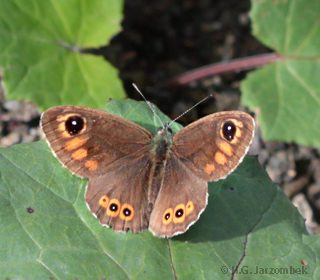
{"x": 223, "y": 67}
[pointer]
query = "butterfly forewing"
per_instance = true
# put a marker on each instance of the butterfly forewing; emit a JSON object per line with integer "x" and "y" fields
{"x": 87, "y": 140}
{"x": 213, "y": 146}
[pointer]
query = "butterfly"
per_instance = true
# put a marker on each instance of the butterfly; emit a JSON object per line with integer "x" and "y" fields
{"x": 141, "y": 181}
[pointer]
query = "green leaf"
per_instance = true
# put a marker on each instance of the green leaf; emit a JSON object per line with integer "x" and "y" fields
{"x": 248, "y": 222}
{"x": 40, "y": 43}
{"x": 287, "y": 93}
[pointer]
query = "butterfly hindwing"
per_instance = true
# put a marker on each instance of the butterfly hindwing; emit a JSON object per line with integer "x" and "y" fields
{"x": 118, "y": 198}
{"x": 181, "y": 200}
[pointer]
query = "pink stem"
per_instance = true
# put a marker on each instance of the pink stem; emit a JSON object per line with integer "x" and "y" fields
{"x": 223, "y": 67}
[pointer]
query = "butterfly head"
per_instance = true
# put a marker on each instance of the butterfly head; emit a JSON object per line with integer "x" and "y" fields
{"x": 165, "y": 130}
{"x": 163, "y": 138}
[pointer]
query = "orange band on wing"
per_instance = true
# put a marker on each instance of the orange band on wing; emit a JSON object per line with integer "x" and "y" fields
{"x": 79, "y": 154}
{"x": 209, "y": 168}
{"x": 92, "y": 164}
{"x": 220, "y": 158}
{"x": 74, "y": 144}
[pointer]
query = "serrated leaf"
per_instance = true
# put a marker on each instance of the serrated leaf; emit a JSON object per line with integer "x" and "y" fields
{"x": 39, "y": 51}
{"x": 287, "y": 93}
{"x": 248, "y": 222}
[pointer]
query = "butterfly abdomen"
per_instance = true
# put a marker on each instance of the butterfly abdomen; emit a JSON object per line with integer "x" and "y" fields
{"x": 159, "y": 154}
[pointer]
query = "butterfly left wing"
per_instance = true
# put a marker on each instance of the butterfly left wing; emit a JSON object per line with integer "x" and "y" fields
{"x": 119, "y": 197}
{"x": 113, "y": 153}
{"x": 87, "y": 140}
{"x": 213, "y": 146}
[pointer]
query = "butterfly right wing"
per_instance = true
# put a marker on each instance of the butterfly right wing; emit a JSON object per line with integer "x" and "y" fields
{"x": 207, "y": 150}
{"x": 213, "y": 146}
{"x": 183, "y": 196}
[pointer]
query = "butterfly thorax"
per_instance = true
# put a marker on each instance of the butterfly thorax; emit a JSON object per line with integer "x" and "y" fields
{"x": 162, "y": 143}
{"x": 159, "y": 155}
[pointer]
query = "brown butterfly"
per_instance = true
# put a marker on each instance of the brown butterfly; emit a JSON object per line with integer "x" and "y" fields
{"x": 138, "y": 181}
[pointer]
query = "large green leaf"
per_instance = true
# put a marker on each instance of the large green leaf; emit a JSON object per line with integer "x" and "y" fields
{"x": 39, "y": 51}
{"x": 248, "y": 223}
{"x": 288, "y": 92}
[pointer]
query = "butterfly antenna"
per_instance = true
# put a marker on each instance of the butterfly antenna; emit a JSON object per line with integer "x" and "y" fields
{"x": 149, "y": 103}
{"x": 195, "y": 105}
